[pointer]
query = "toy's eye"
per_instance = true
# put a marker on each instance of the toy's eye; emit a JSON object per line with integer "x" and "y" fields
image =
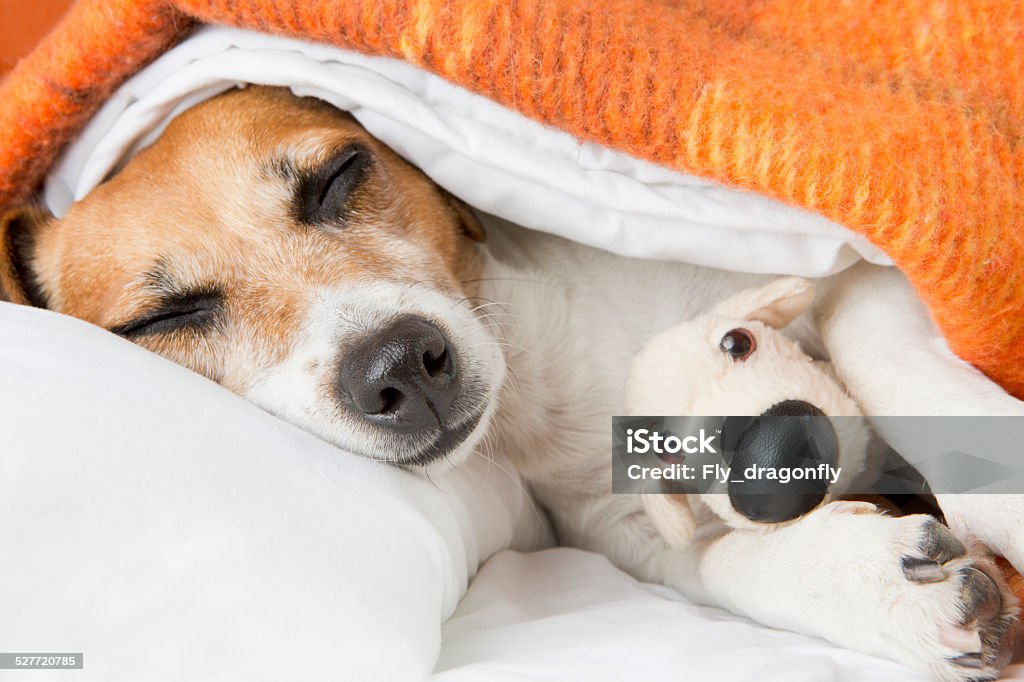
{"x": 739, "y": 344}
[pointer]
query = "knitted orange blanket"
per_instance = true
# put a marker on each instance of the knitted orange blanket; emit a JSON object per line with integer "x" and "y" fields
{"x": 901, "y": 119}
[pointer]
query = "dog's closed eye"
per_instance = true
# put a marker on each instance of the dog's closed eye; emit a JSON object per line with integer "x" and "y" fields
{"x": 198, "y": 310}
{"x": 323, "y": 193}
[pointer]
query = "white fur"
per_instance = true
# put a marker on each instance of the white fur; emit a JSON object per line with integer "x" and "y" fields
{"x": 299, "y": 389}
{"x": 924, "y": 377}
{"x": 576, "y": 317}
{"x": 566, "y": 321}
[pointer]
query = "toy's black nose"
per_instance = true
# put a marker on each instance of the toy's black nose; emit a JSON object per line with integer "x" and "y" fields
{"x": 791, "y": 434}
{"x": 402, "y": 377}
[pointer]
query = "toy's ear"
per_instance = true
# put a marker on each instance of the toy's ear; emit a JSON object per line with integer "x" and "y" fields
{"x": 19, "y": 230}
{"x": 776, "y": 304}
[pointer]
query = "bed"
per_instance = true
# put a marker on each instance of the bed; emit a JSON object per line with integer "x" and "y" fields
{"x": 169, "y": 530}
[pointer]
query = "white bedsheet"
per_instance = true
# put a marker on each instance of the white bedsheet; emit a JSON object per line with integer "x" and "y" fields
{"x": 490, "y": 156}
{"x": 562, "y": 614}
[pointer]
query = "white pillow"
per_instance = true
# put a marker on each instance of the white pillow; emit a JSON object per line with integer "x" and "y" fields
{"x": 169, "y": 530}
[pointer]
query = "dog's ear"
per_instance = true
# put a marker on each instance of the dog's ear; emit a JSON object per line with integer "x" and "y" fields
{"x": 19, "y": 230}
{"x": 776, "y": 304}
{"x": 468, "y": 222}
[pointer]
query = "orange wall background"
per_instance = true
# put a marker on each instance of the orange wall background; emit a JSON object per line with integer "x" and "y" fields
{"x": 23, "y": 23}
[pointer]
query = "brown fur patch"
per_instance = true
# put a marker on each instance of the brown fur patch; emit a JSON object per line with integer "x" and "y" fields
{"x": 211, "y": 203}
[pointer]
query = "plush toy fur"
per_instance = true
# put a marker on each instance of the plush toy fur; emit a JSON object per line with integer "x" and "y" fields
{"x": 683, "y": 371}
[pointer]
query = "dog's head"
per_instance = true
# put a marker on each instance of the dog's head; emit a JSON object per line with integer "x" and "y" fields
{"x": 271, "y": 244}
{"x": 734, "y": 360}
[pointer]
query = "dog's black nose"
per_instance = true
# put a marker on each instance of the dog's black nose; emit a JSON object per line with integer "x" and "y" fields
{"x": 403, "y": 377}
{"x": 790, "y": 435}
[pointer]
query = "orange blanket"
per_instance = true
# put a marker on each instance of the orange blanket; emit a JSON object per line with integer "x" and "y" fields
{"x": 901, "y": 119}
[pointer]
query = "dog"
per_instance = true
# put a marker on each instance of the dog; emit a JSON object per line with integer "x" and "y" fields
{"x": 271, "y": 244}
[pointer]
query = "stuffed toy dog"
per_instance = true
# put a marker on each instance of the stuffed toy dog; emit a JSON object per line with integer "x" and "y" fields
{"x": 735, "y": 360}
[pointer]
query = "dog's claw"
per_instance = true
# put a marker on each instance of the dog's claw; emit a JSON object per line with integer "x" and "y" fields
{"x": 939, "y": 544}
{"x": 972, "y": 660}
{"x": 981, "y": 598}
{"x": 922, "y": 570}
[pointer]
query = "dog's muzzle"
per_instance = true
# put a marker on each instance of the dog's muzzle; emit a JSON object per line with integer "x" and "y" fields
{"x": 790, "y": 434}
{"x": 404, "y": 378}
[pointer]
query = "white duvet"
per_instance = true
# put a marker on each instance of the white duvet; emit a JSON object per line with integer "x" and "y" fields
{"x": 169, "y": 530}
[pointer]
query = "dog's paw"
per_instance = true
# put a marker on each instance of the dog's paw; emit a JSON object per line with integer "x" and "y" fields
{"x": 904, "y": 588}
{"x": 952, "y": 613}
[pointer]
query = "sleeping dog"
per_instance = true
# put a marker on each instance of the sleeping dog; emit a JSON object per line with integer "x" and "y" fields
{"x": 271, "y": 244}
